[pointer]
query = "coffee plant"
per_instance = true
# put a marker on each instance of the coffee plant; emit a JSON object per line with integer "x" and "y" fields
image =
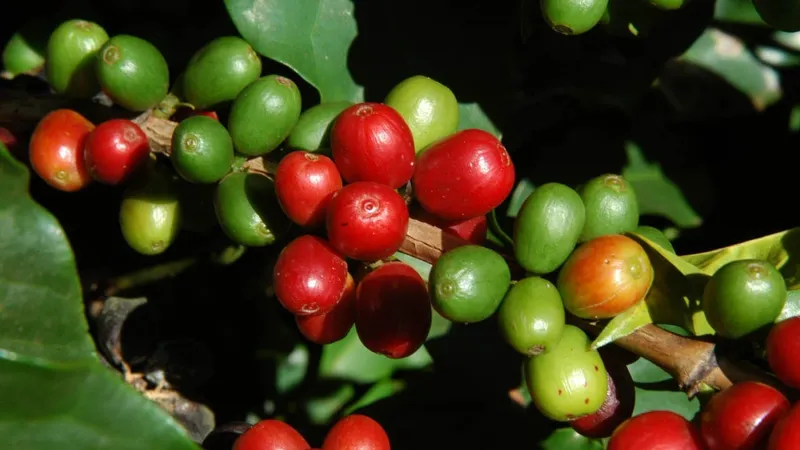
{"x": 339, "y": 224}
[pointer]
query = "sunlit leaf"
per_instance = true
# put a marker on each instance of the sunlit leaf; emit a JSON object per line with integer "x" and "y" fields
{"x": 291, "y": 369}
{"x": 378, "y": 391}
{"x": 737, "y": 11}
{"x": 322, "y": 409}
{"x": 728, "y": 57}
{"x": 792, "y": 306}
{"x": 624, "y": 324}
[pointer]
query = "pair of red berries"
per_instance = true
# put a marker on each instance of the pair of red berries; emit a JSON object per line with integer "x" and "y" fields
{"x": 746, "y": 416}
{"x": 354, "y": 432}
{"x": 68, "y": 151}
{"x": 389, "y": 305}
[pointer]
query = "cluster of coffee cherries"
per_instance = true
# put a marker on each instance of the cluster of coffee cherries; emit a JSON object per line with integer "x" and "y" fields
{"x": 352, "y": 432}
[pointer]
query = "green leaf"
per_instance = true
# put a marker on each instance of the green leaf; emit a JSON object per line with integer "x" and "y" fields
{"x": 322, "y": 409}
{"x": 41, "y": 307}
{"x": 56, "y": 393}
{"x": 794, "y": 119}
{"x": 728, "y": 57}
{"x": 378, "y": 391}
{"x": 790, "y": 40}
{"x": 291, "y": 369}
{"x": 656, "y": 194}
{"x": 623, "y": 324}
{"x": 672, "y": 400}
{"x": 792, "y": 306}
{"x": 781, "y": 249}
{"x": 79, "y": 406}
{"x": 348, "y": 359}
{"x": 471, "y": 115}
{"x": 311, "y": 37}
{"x": 777, "y": 57}
{"x": 524, "y": 188}
{"x": 737, "y": 11}
{"x": 674, "y": 297}
{"x": 644, "y": 371}
{"x": 569, "y": 439}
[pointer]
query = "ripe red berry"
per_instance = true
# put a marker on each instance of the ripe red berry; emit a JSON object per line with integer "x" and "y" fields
{"x": 783, "y": 349}
{"x": 786, "y": 434}
{"x": 742, "y": 416}
{"x": 333, "y": 325}
{"x": 114, "y": 150}
{"x": 372, "y": 142}
{"x": 271, "y": 434}
{"x": 56, "y": 150}
{"x": 472, "y": 230}
{"x": 367, "y": 221}
{"x": 393, "y": 310}
{"x": 356, "y": 432}
{"x": 619, "y": 403}
{"x": 463, "y": 176}
{"x": 656, "y": 429}
{"x": 304, "y": 183}
{"x": 309, "y": 276}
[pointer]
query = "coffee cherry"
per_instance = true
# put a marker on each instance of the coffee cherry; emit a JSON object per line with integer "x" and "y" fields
{"x": 312, "y": 130}
{"x": 56, "y": 150}
{"x": 202, "y": 150}
{"x": 463, "y": 176}
{"x": 366, "y": 221}
{"x": 531, "y": 316}
{"x": 742, "y": 416}
{"x": 786, "y": 434}
{"x": 356, "y": 432}
{"x": 604, "y": 277}
{"x": 429, "y": 108}
{"x": 71, "y": 50}
{"x": 372, "y": 142}
{"x": 333, "y": 325}
{"x": 656, "y": 236}
{"x": 743, "y": 296}
{"x": 393, "y": 313}
{"x": 304, "y": 183}
{"x": 656, "y": 429}
{"x": 115, "y": 150}
{"x": 783, "y": 350}
{"x": 132, "y": 72}
{"x": 611, "y": 207}
{"x": 248, "y": 211}
{"x": 460, "y": 287}
{"x": 271, "y": 434}
{"x": 150, "y": 213}
{"x": 309, "y": 276}
{"x": 570, "y": 380}
{"x": 618, "y": 405}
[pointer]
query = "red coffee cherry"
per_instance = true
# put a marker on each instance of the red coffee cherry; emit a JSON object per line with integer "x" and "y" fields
{"x": 656, "y": 429}
{"x": 271, "y": 435}
{"x": 393, "y": 310}
{"x": 367, "y": 221}
{"x": 333, "y": 325}
{"x": 115, "y": 150}
{"x": 309, "y": 276}
{"x": 742, "y": 416}
{"x": 356, "y": 432}
{"x": 304, "y": 183}
{"x": 372, "y": 142}
{"x": 786, "y": 434}
{"x": 463, "y": 176}
{"x": 783, "y": 351}
{"x": 56, "y": 150}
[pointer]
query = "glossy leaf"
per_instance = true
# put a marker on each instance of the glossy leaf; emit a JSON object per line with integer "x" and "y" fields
{"x": 56, "y": 393}
{"x": 471, "y": 115}
{"x": 79, "y": 406}
{"x": 322, "y": 409}
{"x": 348, "y": 359}
{"x": 777, "y": 57}
{"x": 737, "y": 11}
{"x": 790, "y": 40}
{"x": 311, "y": 37}
{"x": 674, "y": 297}
{"x": 291, "y": 369}
{"x": 569, "y": 439}
{"x": 782, "y": 250}
{"x": 645, "y": 372}
{"x": 728, "y": 57}
{"x": 524, "y": 188}
{"x": 792, "y": 306}
{"x": 623, "y": 324}
{"x": 40, "y": 294}
{"x": 667, "y": 399}
{"x": 378, "y": 391}
{"x": 657, "y": 194}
